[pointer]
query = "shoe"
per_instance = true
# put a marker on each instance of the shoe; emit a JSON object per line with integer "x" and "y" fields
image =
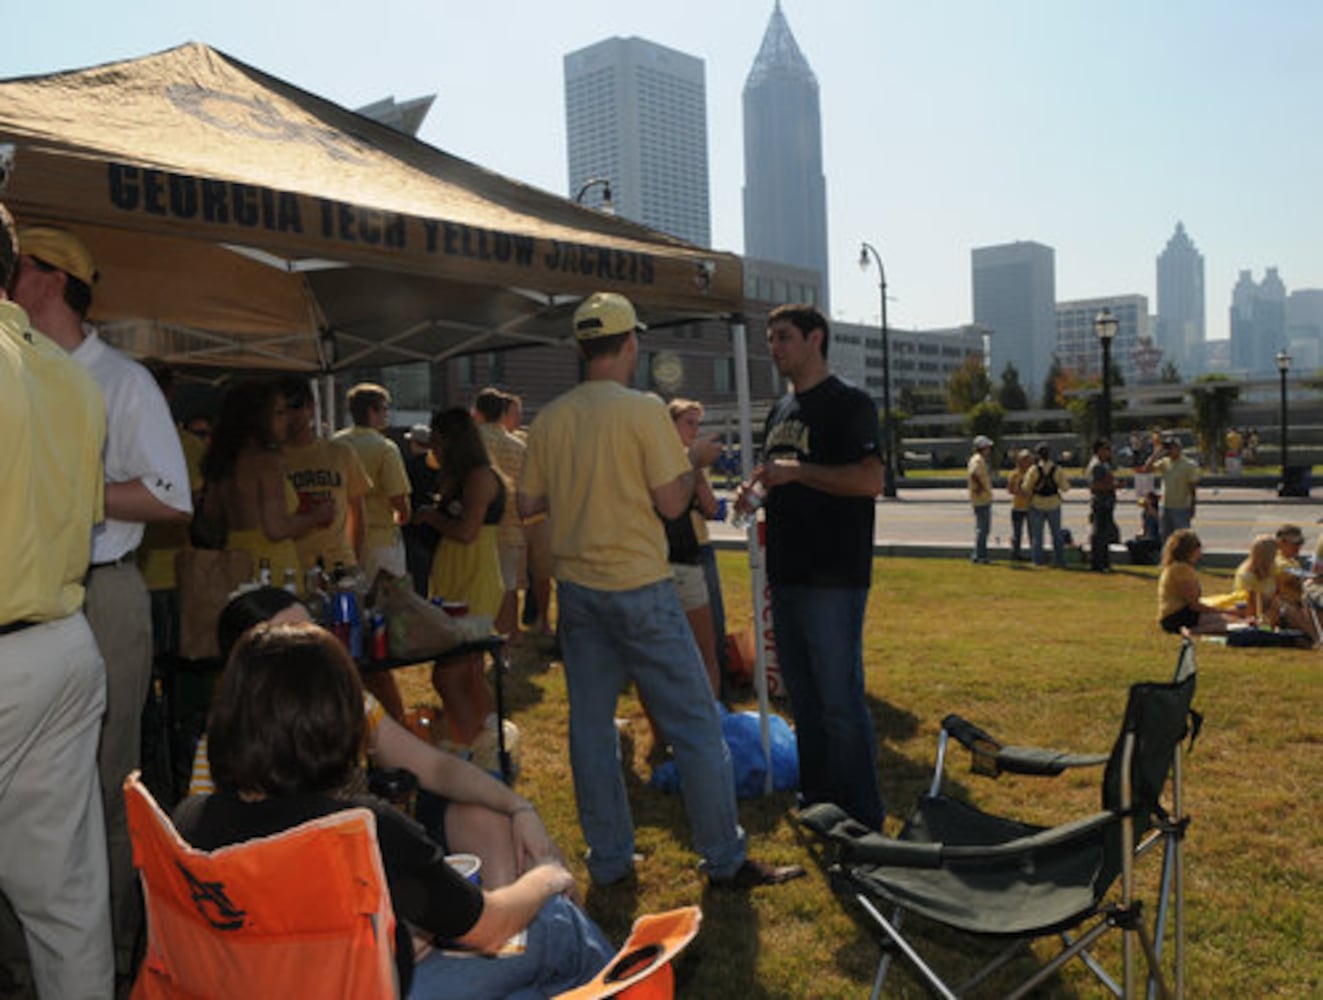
{"x": 753, "y": 873}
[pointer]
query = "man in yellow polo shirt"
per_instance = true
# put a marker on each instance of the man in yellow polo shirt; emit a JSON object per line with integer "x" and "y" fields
{"x": 52, "y": 679}
{"x": 602, "y": 461}
{"x": 386, "y": 503}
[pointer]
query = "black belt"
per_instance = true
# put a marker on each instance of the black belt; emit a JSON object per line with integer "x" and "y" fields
{"x": 9, "y": 628}
{"x": 124, "y": 560}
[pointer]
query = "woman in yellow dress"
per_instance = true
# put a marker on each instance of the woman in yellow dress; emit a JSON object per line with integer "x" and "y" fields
{"x": 471, "y": 495}
{"x": 245, "y": 481}
{"x": 1180, "y": 597}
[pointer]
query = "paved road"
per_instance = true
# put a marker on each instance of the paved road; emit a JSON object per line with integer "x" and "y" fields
{"x": 1227, "y": 518}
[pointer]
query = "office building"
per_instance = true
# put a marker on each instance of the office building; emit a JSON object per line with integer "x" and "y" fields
{"x": 785, "y": 192}
{"x": 1078, "y": 348}
{"x": 1180, "y": 329}
{"x": 636, "y": 116}
{"x": 1015, "y": 299}
{"x": 922, "y": 361}
{"x": 1258, "y": 323}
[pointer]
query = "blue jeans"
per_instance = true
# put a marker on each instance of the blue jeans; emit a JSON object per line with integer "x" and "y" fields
{"x": 718, "y": 606}
{"x": 1019, "y": 521}
{"x": 565, "y": 949}
{"x": 1173, "y": 519}
{"x": 1051, "y": 518}
{"x": 610, "y": 638}
{"x": 819, "y": 646}
{"x": 982, "y": 525}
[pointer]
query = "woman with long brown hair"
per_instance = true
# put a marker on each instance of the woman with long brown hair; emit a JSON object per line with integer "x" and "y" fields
{"x": 471, "y": 496}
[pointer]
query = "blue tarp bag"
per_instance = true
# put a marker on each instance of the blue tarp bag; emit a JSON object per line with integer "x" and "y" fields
{"x": 744, "y": 737}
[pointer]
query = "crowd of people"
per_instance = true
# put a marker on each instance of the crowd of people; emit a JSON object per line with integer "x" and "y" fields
{"x": 477, "y": 512}
{"x": 606, "y": 493}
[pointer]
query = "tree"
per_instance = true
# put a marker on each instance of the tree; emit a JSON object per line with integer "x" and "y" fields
{"x": 1010, "y": 393}
{"x": 1052, "y": 385}
{"x": 968, "y": 385}
{"x": 1213, "y": 397}
{"x": 987, "y": 418}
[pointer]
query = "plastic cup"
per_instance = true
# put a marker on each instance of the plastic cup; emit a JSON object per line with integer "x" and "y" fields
{"x": 467, "y": 865}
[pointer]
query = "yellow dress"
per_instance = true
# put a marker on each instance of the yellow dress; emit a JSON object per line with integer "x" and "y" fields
{"x": 469, "y": 572}
{"x": 472, "y": 572}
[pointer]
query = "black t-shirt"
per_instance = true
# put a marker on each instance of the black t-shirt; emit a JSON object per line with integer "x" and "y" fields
{"x": 424, "y": 890}
{"x": 815, "y": 539}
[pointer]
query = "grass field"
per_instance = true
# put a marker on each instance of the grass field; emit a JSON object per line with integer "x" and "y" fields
{"x": 1039, "y": 657}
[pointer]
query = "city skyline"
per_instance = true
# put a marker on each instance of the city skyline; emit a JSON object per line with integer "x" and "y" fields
{"x": 945, "y": 127}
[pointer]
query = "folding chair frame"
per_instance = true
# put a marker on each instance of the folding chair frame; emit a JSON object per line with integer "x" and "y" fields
{"x": 1126, "y": 913}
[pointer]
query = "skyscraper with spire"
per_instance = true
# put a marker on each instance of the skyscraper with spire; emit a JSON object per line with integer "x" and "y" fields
{"x": 785, "y": 192}
{"x": 1180, "y": 327}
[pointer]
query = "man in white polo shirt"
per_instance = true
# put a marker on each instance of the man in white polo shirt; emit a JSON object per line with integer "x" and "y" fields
{"x": 146, "y": 481}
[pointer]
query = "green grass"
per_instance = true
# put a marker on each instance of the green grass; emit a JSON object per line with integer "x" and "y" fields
{"x": 1039, "y": 657}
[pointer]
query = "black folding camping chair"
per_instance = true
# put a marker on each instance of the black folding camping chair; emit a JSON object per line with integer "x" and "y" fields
{"x": 999, "y": 878}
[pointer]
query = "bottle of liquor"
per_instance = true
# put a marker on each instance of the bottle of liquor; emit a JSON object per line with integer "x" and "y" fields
{"x": 264, "y": 572}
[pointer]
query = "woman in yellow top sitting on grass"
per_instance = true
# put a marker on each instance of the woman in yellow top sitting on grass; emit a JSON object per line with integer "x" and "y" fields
{"x": 1180, "y": 604}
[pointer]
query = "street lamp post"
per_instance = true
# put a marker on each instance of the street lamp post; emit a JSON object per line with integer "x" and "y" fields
{"x": 888, "y": 439}
{"x": 1104, "y": 325}
{"x": 608, "y": 206}
{"x": 1284, "y": 366}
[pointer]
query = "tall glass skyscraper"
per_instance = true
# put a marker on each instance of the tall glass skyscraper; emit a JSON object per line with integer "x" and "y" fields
{"x": 636, "y": 115}
{"x": 1180, "y": 329}
{"x": 785, "y": 192}
{"x": 1015, "y": 291}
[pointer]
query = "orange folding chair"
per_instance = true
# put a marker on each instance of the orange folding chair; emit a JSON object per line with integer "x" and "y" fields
{"x": 305, "y": 913}
{"x": 642, "y": 968}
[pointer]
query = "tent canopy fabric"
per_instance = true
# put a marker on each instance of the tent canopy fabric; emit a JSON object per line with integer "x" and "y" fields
{"x": 237, "y": 220}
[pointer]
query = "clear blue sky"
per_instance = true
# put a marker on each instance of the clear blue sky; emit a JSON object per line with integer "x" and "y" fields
{"x": 947, "y": 125}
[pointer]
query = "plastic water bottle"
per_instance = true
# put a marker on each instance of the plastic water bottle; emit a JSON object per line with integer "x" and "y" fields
{"x": 742, "y": 516}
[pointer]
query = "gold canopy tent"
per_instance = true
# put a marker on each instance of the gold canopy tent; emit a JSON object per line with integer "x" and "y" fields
{"x": 239, "y": 221}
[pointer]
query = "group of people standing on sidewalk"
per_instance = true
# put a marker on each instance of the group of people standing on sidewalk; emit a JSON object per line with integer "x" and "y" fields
{"x": 1037, "y": 483}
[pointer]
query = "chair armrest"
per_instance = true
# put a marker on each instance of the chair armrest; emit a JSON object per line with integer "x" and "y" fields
{"x": 991, "y": 757}
{"x": 1051, "y": 837}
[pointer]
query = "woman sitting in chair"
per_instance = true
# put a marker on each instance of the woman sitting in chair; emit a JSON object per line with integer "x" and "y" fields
{"x": 1180, "y": 603}
{"x": 464, "y": 808}
{"x": 286, "y": 731}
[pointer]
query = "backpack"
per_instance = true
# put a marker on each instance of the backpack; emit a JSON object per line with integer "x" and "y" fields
{"x": 1047, "y": 481}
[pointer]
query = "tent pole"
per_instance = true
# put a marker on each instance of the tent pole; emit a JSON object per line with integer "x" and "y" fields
{"x": 762, "y": 612}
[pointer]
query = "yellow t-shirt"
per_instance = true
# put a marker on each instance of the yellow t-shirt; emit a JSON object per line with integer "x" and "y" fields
{"x": 596, "y": 453}
{"x": 979, "y": 481}
{"x": 1172, "y": 585}
{"x": 51, "y": 480}
{"x": 385, "y": 468}
{"x": 200, "y": 783}
{"x": 1289, "y": 583}
{"x": 327, "y": 468}
{"x": 1179, "y": 478}
{"x": 1014, "y": 481}
{"x": 1036, "y": 500}
{"x": 507, "y": 454}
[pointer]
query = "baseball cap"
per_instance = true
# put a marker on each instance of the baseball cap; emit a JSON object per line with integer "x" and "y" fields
{"x": 419, "y": 434}
{"x": 605, "y": 314}
{"x": 61, "y": 249}
{"x": 982, "y": 441}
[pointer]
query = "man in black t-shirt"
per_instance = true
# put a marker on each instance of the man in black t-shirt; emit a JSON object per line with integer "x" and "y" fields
{"x": 821, "y": 472}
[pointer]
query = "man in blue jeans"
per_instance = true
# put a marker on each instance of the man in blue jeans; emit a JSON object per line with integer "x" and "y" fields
{"x": 603, "y": 460}
{"x": 821, "y": 471}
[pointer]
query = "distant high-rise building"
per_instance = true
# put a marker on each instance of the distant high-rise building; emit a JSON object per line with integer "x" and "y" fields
{"x": 636, "y": 115}
{"x": 1077, "y": 337}
{"x": 1015, "y": 288}
{"x": 785, "y": 192}
{"x": 1258, "y": 323}
{"x": 1304, "y": 327}
{"x": 1180, "y": 329}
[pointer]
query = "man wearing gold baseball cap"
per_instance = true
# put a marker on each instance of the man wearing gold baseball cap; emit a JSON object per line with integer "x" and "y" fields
{"x": 52, "y": 683}
{"x": 602, "y": 461}
{"x": 146, "y": 480}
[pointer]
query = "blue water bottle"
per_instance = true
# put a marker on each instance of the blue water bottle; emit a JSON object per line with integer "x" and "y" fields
{"x": 349, "y": 623}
